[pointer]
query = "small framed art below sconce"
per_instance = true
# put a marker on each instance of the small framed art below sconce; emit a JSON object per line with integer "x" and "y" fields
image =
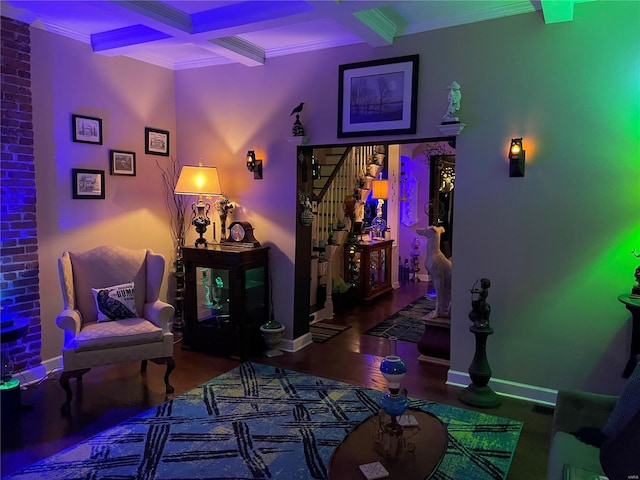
{"x": 516, "y": 158}
{"x": 254, "y": 165}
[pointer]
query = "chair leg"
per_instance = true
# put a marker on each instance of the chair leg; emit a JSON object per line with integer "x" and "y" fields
{"x": 143, "y": 366}
{"x": 171, "y": 364}
{"x": 65, "y": 409}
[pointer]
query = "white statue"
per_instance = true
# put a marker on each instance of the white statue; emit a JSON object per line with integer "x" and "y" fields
{"x": 454, "y": 96}
{"x": 439, "y": 268}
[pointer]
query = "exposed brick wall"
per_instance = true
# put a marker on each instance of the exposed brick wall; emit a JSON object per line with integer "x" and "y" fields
{"x": 19, "y": 246}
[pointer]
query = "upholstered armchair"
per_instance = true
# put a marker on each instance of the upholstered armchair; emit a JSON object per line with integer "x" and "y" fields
{"x": 596, "y": 433}
{"x": 112, "y": 313}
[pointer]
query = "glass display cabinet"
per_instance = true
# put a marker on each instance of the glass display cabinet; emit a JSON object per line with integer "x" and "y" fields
{"x": 225, "y": 299}
{"x": 370, "y": 264}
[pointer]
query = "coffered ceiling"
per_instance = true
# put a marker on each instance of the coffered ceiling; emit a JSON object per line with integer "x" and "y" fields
{"x": 182, "y": 34}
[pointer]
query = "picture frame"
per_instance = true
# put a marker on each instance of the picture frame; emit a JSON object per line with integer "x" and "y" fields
{"x": 87, "y": 184}
{"x": 378, "y": 97}
{"x": 122, "y": 163}
{"x": 156, "y": 142}
{"x": 86, "y": 129}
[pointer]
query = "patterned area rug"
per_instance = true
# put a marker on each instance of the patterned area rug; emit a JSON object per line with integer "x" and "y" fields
{"x": 408, "y": 324}
{"x": 262, "y": 422}
{"x": 321, "y": 332}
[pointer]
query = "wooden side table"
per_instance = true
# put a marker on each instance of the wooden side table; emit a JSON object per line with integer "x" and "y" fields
{"x": 633, "y": 305}
{"x": 425, "y": 448}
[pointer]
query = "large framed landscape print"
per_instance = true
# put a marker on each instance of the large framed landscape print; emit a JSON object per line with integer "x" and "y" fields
{"x": 378, "y": 97}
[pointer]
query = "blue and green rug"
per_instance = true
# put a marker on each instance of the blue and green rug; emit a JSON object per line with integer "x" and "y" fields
{"x": 408, "y": 324}
{"x": 263, "y": 422}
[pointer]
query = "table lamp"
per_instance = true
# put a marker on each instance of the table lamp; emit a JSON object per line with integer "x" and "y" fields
{"x": 201, "y": 181}
{"x": 381, "y": 193}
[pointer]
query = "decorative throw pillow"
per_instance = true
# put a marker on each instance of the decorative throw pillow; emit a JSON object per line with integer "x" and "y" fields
{"x": 115, "y": 303}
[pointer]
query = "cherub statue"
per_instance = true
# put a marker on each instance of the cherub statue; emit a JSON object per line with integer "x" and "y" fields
{"x": 454, "y": 96}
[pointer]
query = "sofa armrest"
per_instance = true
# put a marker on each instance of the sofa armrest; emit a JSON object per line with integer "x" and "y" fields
{"x": 71, "y": 322}
{"x": 619, "y": 456}
{"x": 578, "y": 409}
{"x": 159, "y": 313}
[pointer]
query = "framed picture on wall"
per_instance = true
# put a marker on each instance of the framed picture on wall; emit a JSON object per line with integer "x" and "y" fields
{"x": 86, "y": 129}
{"x": 87, "y": 184}
{"x": 378, "y": 97}
{"x": 156, "y": 141}
{"x": 122, "y": 163}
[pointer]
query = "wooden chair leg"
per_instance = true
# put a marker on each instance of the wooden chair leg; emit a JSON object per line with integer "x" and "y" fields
{"x": 65, "y": 409}
{"x": 143, "y": 366}
{"x": 171, "y": 364}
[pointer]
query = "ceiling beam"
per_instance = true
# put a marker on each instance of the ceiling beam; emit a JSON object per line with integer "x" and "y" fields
{"x": 377, "y": 26}
{"x": 239, "y": 50}
{"x": 384, "y": 21}
{"x": 556, "y": 11}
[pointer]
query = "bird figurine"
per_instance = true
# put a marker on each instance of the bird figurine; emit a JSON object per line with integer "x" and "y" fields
{"x": 298, "y": 129}
{"x": 298, "y": 109}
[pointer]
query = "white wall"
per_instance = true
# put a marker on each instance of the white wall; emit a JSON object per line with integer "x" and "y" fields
{"x": 127, "y": 95}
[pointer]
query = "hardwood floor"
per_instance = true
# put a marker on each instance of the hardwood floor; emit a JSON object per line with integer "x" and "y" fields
{"x": 112, "y": 394}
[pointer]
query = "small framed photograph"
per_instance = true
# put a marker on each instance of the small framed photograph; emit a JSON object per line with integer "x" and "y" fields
{"x": 122, "y": 163}
{"x": 87, "y": 184}
{"x": 86, "y": 129}
{"x": 156, "y": 141}
{"x": 378, "y": 97}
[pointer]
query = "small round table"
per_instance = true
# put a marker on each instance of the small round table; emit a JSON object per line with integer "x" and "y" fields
{"x": 10, "y": 386}
{"x": 633, "y": 305}
{"x": 428, "y": 442}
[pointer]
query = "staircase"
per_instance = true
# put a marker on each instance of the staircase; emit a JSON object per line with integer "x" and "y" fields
{"x": 337, "y": 172}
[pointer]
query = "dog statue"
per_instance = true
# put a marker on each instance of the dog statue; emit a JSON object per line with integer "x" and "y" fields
{"x": 439, "y": 268}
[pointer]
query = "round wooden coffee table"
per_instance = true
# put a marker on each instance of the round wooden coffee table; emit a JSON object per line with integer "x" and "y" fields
{"x": 425, "y": 445}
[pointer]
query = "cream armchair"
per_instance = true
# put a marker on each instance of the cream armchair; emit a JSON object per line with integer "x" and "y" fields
{"x": 145, "y": 333}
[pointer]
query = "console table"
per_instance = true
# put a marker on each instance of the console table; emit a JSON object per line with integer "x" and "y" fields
{"x": 426, "y": 445}
{"x": 633, "y": 305}
{"x": 373, "y": 261}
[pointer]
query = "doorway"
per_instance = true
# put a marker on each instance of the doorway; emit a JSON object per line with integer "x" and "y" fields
{"x": 307, "y": 159}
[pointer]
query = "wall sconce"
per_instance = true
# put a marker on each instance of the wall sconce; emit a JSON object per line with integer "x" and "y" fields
{"x": 516, "y": 158}
{"x": 254, "y": 165}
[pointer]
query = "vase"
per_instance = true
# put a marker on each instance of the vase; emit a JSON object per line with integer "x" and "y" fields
{"x": 373, "y": 169}
{"x": 393, "y": 369}
{"x": 306, "y": 217}
{"x": 223, "y": 228}
{"x": 272, "y": 338}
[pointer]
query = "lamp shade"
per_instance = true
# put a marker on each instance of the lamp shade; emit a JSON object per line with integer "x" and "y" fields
{"x": 198, "y": 181}
{"x": 380, "y": 189}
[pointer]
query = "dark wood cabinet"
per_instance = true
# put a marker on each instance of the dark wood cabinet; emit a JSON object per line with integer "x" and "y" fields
{"x": 371, "y": 265}
{"x": 225, "y": 299}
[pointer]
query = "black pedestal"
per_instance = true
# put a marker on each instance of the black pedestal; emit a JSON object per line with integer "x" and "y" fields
{"x": 479, "y": 394}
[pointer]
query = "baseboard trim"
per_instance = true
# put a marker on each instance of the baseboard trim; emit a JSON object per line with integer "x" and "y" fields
{"x": 38, "y": 373}
{"x": 435, "y": 360}
{"x": 506, "y": 388}
{"x": 296, "y": 344}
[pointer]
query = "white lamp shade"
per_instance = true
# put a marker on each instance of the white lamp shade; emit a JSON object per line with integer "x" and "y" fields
{"x": 198, "y": 181}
